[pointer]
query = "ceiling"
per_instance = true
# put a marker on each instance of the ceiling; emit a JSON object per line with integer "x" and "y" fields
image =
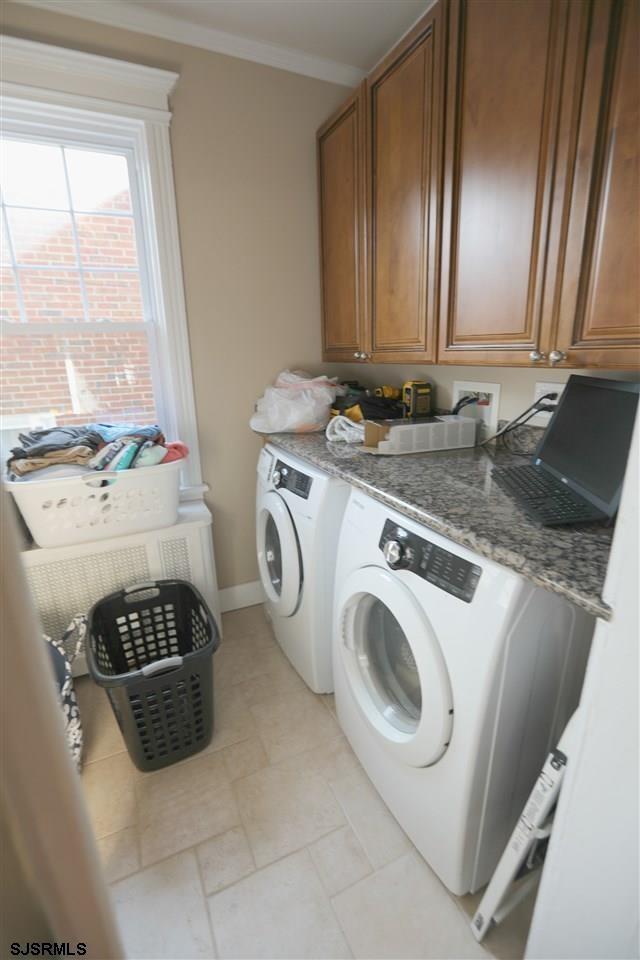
{"x": 337, "y": 40}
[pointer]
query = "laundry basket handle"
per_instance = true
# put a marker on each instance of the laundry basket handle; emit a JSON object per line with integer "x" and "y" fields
{"x": 169, "y": 663}
{"x": 139, "y": 587}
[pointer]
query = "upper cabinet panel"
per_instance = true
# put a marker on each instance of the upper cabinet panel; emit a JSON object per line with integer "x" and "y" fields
{"x": 479, "y": 195}
{"x": 405, "y": 96}
{"x": 341, "y": 175}
{"x": 599, "y": 310}
{"x": 504, "y": 76}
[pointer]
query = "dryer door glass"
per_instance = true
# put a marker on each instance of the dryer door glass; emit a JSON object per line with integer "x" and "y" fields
{"x": 393, "y": 665}
{"x": 273, "y": 554}
{"x": 391, "y": 671}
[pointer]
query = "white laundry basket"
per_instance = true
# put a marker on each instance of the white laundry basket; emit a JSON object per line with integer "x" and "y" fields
{"x": 93, "y": 506}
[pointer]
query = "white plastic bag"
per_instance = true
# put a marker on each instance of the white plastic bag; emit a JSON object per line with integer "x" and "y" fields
{"x": 297, "y": 403}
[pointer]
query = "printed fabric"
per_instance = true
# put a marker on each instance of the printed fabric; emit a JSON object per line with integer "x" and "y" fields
{"x": 62, "y": 661}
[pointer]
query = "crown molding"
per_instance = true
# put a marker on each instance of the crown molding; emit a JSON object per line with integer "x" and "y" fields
{"x": 42, "y": 67}
{"x": 116, "y": 13}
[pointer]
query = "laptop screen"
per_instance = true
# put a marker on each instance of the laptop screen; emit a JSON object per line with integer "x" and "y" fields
{"x": 588, "y": 439}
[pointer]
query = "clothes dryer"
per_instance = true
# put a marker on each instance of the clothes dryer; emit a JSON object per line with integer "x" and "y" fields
{"x": 453, "y": 678}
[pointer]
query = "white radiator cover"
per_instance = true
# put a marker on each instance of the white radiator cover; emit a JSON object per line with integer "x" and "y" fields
{"x": 66, "y": 581}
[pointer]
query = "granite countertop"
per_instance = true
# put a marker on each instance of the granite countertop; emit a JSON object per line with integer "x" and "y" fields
{"x": 452, "y": 492}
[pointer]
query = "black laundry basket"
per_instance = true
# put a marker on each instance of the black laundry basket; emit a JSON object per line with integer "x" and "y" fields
{"x": 150, "y": 647}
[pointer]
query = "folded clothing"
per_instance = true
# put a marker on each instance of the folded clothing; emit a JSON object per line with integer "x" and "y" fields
{"x": 79, "y": 454}
{"x": 39, "y": 443}
{"x": 116, "y": 431}
{"x": 150, "y": 455}
{"x": 176, "y": 450}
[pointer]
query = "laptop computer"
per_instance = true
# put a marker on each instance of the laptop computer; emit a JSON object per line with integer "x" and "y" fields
{"x": 576, "y": 474}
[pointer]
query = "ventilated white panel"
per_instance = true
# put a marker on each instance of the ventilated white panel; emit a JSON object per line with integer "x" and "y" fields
{"x": 175, "y": 559}
{"x": 65, "y": 588}
{"x": 67, "y": 581}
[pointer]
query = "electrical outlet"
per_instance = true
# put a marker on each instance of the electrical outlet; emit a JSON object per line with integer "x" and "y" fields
{"x": 485, "y": 411}
{"x": 542, "y": 387}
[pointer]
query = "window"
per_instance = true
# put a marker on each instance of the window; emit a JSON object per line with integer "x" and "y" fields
{"x": 77, "y": 334}
{"x": 92, "y": 313}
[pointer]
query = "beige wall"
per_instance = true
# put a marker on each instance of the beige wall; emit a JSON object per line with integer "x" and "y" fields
{"x": 243, "y": 139}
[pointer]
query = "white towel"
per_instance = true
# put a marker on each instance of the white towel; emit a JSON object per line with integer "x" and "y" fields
{"x": 341, "y": 428}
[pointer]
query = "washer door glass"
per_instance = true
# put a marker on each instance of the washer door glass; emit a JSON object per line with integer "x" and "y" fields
{"x": 273, "y": 554}
{"x": 391, "y": 670}
{"x": 279, "y": 560}
{"x": 394, "y": 666}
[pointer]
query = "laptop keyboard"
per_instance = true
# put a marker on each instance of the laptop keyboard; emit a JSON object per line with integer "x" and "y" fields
{"x": 543, "y": 497}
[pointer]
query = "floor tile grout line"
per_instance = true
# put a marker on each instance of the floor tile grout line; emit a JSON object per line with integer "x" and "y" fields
{"x": 328, "y": 899}
{"x": 372, "y": 869}
{"x": 108, "y": 756}
{"x": 205, "y": 902}
{"x": 289, "y": 853}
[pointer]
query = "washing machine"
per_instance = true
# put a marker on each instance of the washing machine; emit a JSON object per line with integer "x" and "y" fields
{"x": 453, "y": 678}
{"x": 299, "y": 511}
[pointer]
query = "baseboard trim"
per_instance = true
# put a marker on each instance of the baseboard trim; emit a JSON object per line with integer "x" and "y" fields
{"x": 242, "y": 595}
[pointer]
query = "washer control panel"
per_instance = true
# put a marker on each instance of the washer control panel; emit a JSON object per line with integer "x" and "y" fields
{"x": 285, "y": 477}
{"x": 406, "y": 551}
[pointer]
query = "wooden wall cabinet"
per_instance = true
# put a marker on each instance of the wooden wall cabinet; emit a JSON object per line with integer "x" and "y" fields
{"x": 379, "y": 169}
{"x": 598, "y": 300}
{"x": 341, "y": 172}
{"x": 404, "y": 153}
{"x": 489, "y": 216}
{"x": 503, "y": 101}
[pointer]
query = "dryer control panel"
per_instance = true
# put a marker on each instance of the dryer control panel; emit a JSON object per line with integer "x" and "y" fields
{"x": 406, "y": 551}
{"x": 285, "y": 477}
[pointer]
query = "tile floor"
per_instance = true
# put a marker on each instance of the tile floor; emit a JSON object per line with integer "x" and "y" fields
{"x": 271, "y": 842}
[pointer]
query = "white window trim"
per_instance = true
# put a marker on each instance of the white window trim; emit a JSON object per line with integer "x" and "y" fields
{"x": 49, "y": 91}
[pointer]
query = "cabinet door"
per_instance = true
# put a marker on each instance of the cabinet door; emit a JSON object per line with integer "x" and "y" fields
{"x": 505, "y": 66}
{"x": 341, "y": 185}
{"x": 405, "y": 143}
{"x": 599, "y": 308}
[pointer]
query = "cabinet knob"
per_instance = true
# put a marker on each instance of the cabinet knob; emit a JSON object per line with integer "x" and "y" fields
{"x": 556, "y": 356}
{"x": 535, "y": 356}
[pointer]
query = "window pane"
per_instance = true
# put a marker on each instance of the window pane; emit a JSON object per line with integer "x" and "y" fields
{"x": 33, "y": 175}
{"x": 99, "y": 181}
{"x": 9, "y": 309}
{"x": 5, "y": 254}
{"x": 114, "y": 296}
{"x": 78, "y": 378}
{"x": 52, "y": 296}
{"x": 42, "y": 237}
{"x": 106, "y": 240}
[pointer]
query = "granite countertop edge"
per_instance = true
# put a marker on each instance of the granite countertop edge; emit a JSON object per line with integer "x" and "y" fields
{"x": 591, "y": 603}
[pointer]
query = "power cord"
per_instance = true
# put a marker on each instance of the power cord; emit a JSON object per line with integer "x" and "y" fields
{"x": 506, "y": 436}
{"x": 463, "y": 402}
{"x": 538, "y": 406}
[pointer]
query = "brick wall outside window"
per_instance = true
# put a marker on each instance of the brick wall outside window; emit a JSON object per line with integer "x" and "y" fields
{"x": 107, "y": 375}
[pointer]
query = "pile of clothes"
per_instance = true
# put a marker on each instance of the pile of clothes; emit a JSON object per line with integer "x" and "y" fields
{"x": 68, "y": 451}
